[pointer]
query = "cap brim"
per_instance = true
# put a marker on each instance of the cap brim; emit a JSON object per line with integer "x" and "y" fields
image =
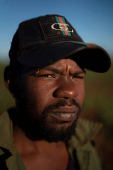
{"x": 94, "y": 57}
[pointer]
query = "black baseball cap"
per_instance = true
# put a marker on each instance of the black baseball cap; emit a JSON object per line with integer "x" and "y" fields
{"x": 44, "y": 40}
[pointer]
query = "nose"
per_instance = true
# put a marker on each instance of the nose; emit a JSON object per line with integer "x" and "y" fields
{"x": 66, "y": 90}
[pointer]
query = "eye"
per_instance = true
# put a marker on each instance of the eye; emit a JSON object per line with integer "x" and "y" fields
{"x": 78, "y": 77}
{"x": 49, "y": 75}
{"x": 45, "y": 75}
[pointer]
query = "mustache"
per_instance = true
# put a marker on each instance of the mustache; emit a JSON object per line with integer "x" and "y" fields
{"x": 25, "y": 103}
{"x": 63, "y": 103}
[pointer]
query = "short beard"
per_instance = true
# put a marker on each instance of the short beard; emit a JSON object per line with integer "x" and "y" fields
{"x": 36, "y": 126}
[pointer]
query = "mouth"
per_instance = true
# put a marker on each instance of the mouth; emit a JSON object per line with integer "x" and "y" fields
{"x": 65, "y": 115}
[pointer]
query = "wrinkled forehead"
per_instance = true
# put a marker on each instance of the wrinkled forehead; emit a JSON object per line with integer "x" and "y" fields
{"x": 65, "y": 64}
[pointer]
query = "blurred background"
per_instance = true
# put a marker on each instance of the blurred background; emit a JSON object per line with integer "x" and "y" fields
{"x": 93, "y": 20}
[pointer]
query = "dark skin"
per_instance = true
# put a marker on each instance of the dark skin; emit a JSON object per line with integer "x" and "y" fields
{"x": 45, "y": 86}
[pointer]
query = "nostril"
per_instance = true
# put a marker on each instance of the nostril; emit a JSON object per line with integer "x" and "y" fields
{"x": 66, "y": 97}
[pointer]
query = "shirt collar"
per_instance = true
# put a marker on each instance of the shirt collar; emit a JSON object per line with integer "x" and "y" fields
{"x": 6, "y": 132}
{"x": 84, "y": 132}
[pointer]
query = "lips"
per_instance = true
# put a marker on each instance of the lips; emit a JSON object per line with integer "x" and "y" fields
{"x": 64, "y": 114}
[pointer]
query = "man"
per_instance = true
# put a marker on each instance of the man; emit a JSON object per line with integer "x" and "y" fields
{"x": 46, "y": 77}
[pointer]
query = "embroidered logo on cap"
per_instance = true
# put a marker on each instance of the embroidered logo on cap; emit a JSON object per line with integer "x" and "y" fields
{"x": 62, "y": 26}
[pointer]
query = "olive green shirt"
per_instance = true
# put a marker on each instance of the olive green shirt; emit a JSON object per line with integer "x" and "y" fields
{"x": 79, "y": 146}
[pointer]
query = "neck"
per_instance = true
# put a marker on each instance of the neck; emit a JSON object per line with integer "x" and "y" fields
{"x": 25, "y": 144}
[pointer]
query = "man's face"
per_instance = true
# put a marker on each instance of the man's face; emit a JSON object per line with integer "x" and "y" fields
{"x": 50, "y": 100}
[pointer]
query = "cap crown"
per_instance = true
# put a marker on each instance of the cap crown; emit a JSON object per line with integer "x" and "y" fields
{"x": 33, "y": 33}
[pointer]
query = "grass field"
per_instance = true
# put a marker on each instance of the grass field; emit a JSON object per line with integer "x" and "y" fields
{"x": 98, "y": 106}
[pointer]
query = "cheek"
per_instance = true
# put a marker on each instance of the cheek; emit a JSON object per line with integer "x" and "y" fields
{"x": 81, "y": 95}
{"x": 39, "y": 94}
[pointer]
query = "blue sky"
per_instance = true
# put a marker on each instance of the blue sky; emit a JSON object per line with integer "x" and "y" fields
{"x": 93, "y": 19}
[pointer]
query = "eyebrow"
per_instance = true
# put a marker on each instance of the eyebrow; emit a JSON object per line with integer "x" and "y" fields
{"x": 55, "y": 70}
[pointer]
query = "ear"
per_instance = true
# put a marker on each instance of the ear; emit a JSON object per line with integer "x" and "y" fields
{"x": 10, "y": 79}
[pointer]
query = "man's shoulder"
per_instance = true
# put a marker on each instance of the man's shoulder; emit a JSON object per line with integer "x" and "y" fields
{"x": 80, "y": 144}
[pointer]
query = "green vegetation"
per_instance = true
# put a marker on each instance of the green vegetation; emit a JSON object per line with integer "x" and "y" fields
{"x": 99, "y": 95}
{"x": 6, "y": 100}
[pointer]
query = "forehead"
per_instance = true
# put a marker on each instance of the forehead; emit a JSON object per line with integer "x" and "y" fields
{"x": 65, "y": 64}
